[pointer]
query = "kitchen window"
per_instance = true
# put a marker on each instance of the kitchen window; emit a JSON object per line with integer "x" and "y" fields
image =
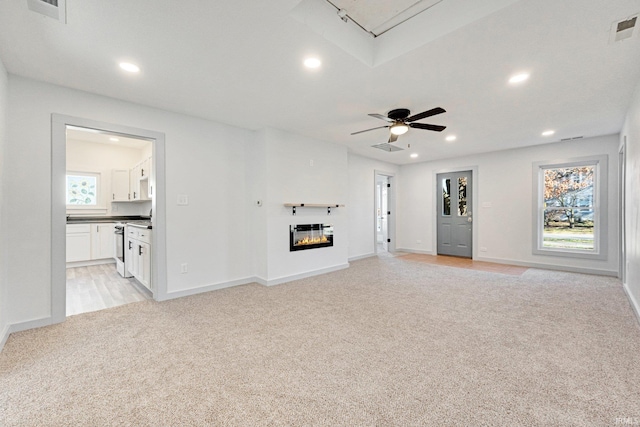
{"x": 83, "y": 190}
{"x": 570, "y": 202}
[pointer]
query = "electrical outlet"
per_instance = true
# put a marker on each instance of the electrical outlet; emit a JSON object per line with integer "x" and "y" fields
{"x": 419, "y": 242}
{"x": 183, "y": 200}
{"x": 114, "y": 207}
{"x": 483, "y": 249}
{"x": 183, "y": 267}
{"x": 311, "y": 163}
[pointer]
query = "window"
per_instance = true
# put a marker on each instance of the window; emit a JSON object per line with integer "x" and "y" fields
{"x": 570, "y": 202}
{"x": 82, "y": 190}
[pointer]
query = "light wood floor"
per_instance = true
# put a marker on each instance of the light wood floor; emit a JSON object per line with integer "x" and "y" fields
{"x": 98, "y": 287}
{"x": 452, "y": 261}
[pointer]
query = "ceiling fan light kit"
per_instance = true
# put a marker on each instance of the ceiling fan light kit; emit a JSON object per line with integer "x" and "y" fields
{"x": 399, "y": 128}
{"x": 400, "y": 122}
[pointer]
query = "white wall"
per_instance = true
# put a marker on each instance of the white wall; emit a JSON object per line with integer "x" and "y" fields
{"x": 256, "y": 177}
{"x": 362, "y": 202}
{"x": 631, "y": 131}
{"x": 85, "y": 156}
{"x": 303, "y": 170}
{"x": 503, "y": 179}
{"x": 4, "y": 291}
{"x": 209, "y": 234}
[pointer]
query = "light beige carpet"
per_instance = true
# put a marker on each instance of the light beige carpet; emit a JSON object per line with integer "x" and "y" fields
{"x": 385, "y": 342}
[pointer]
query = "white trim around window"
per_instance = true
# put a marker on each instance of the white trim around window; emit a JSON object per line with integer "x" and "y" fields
{"x": 597, "y": 208}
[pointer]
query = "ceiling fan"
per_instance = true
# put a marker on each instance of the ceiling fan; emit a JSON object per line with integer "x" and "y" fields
{"x": 400, "y": 122}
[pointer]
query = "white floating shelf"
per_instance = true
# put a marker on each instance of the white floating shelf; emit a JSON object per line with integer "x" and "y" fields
{"x": 328, "y": 206}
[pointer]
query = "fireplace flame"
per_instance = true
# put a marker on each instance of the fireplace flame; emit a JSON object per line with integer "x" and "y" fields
{"x": 308, "y": 240}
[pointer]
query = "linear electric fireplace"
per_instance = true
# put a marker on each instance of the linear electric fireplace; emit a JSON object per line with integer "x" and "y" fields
{"x": 310, "y": 236}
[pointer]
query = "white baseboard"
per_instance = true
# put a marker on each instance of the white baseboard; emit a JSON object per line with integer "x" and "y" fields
{"x": 252, "y": 279}
{"x": 23, "y": 326}
{"x": 291, "y": 278}
{"x": 356, "y": 258}
{"x": 92, "y": 262}
{"x": 633, "y": 301}
{"x": 415, "y": 251}
{"x": 30, "y": 324}
{"x": 594, "y": 271}
{"x": 208, "y": 288}
{"x": 4, "y": 336}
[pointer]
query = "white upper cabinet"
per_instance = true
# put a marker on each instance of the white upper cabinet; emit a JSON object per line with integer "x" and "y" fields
{"x": 139, "y": 182}
{"x": 120, "y": 185}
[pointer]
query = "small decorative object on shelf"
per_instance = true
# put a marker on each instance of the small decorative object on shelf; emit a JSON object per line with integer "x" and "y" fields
{"x": 293, "y": 206}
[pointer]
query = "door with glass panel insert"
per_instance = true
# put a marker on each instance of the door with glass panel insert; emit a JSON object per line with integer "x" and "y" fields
{"x": 454, "y": 214}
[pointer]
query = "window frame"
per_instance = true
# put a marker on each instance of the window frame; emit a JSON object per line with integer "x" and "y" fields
{"x": 600, "y": 206}
{"x": 99, "y": 206}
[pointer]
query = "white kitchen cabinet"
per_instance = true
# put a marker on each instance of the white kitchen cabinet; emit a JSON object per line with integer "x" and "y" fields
{"x": 78, "y": 242}
{"x": 102, "y": 241}
{"x": 145, "y": 169}
{"x": 144, "y": 264}
{"x": 132, "y": 260}
{"x": 134, "y": 183}
{"x": 139, "y": 254}
{"x": 120, "y": 185}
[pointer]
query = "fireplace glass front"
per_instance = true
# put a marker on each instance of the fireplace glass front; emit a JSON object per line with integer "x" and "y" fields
{"x": 310, "y": 236}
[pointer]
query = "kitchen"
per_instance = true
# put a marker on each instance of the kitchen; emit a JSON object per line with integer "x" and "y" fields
{"x": 109, "y": 194}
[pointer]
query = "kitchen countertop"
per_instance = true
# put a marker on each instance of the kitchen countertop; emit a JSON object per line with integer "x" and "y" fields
{"x": 99, "y": 219}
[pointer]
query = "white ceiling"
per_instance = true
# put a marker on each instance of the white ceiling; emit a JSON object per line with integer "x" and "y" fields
{"x": 241, "y": 63}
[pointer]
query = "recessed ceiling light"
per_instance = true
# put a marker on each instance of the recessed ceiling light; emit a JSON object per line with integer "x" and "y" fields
{"x": 519, "y": 78}
{"x": 132, "y": 68}
{"x": 548, "y": 132}
{"x": 114, "y": 139}
{"x": 414, "y": 155}
{"x": 451, "y": 138}
{"x": 312, "y": 62}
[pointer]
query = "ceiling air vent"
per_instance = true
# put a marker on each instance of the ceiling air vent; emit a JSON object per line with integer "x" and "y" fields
{"x": 571, "y": 139}
{"x": 387, "y": 147}
{"x": 624, "y": 29}
{"x": 56, "y": 9}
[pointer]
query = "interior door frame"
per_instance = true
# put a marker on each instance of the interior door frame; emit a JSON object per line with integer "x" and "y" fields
{"x": 622, "y": 193}
{"x": 59, "y": 125}
{"x": 391, "y": 205}
{"x": 474, "y": 207}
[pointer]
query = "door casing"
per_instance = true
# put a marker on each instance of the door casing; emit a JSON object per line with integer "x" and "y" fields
{"x": 474, "y": 206}
{"x": 59, "y": 124}
{"x": 391, "y": 204}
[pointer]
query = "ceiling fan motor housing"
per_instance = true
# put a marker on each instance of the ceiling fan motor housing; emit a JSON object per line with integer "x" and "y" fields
{"x": 399, "y": 114}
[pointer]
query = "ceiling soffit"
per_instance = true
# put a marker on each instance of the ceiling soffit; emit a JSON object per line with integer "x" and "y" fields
{"x": 403, "y": 26}
{"x": 379, "y": 16}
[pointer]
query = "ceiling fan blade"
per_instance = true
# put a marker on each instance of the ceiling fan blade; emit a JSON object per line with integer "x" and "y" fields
{"x": 425, "y": 126}
{"x": 381, "y": 117}
{"x": 424, "y": 114}
{"x": 367, "y": 130}
{"x": 393, "y": 137}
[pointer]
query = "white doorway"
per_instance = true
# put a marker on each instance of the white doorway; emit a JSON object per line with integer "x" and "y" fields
{"x": 100, "y": 167}
{"x": 60, "y": 123}
{"x": 622, "y": 192}
{"x": 384, "y": 214}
